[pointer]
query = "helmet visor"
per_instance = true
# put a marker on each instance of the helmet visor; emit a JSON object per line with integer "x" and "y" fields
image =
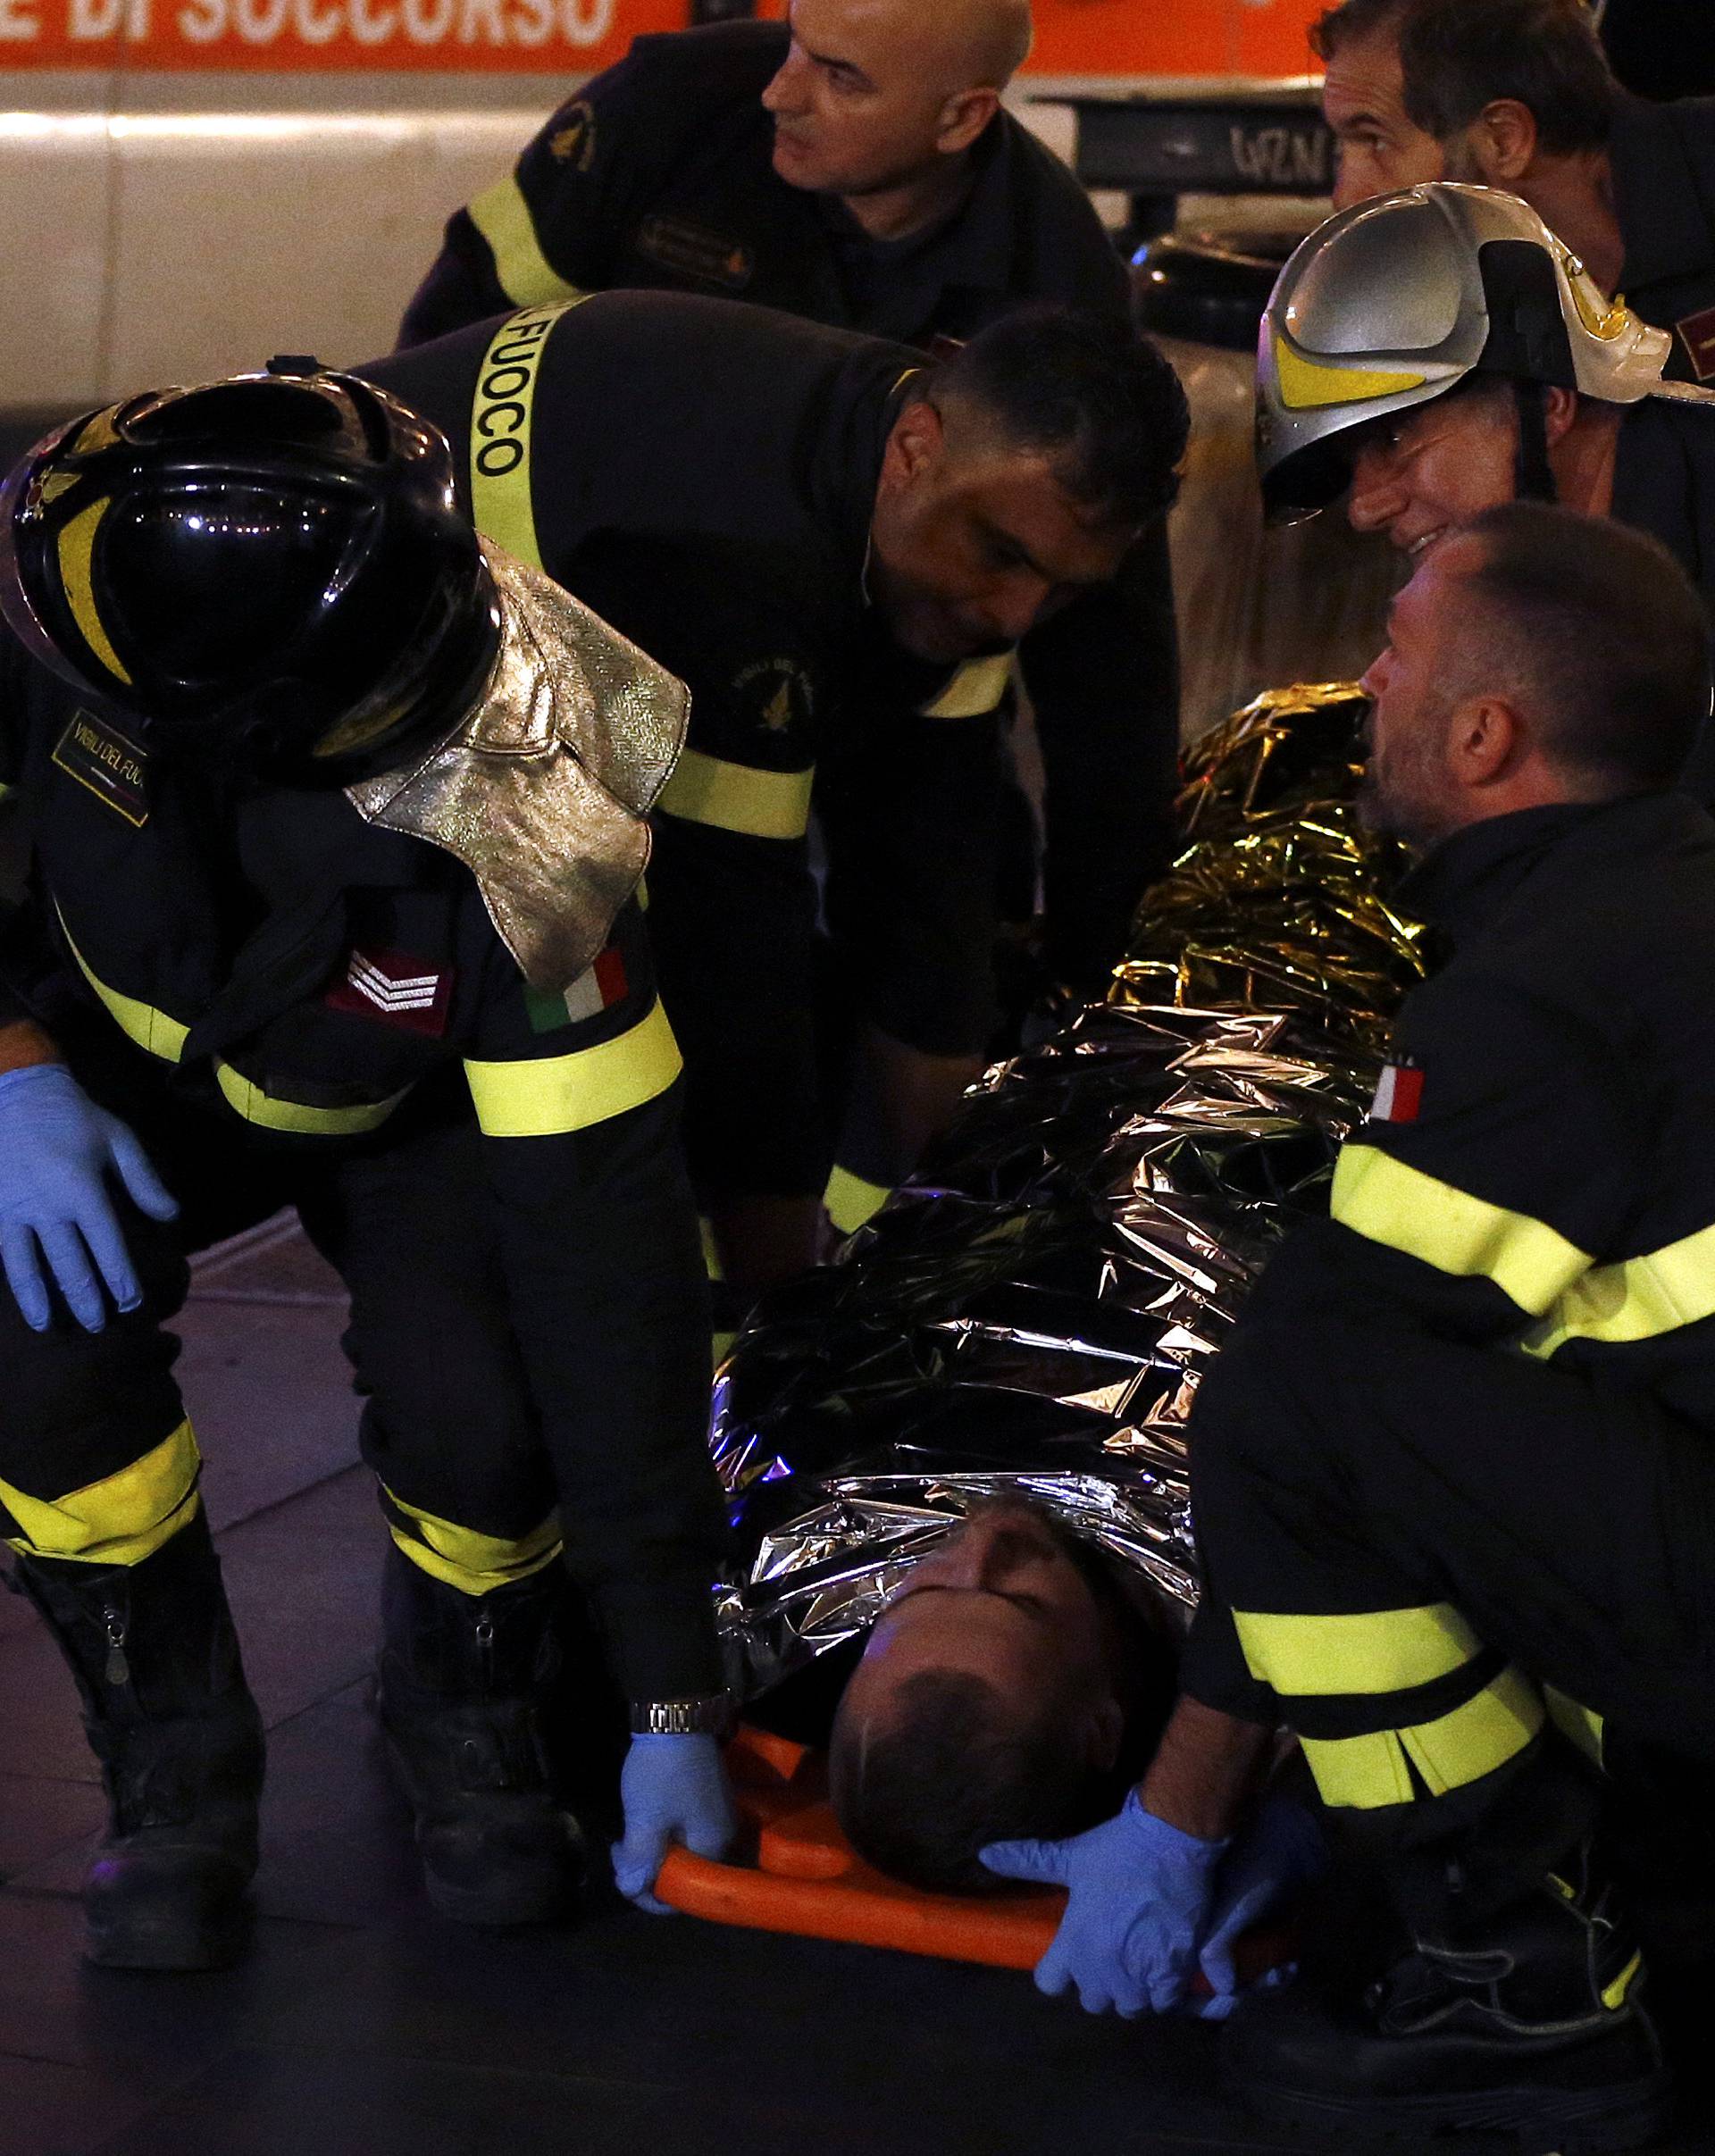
{"x": 212, "y": 578}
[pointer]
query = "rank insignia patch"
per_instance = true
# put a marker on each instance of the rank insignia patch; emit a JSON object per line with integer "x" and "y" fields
{"x": 116, "y": 771}
{"x": 1399, "y": 1098}
{"x": 396, "y": 989}
{"x": 591, "y": 993}
{"x": 1697, "y": 334}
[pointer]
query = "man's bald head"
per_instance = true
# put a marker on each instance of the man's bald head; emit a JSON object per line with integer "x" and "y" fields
{"x": 995, "y": 35}
{"x": 879, "y": 96}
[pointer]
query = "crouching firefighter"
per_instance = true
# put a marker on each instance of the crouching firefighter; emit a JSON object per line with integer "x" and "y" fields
{"x": 338, "y": 819}
{"x": 1452, "y": 1470}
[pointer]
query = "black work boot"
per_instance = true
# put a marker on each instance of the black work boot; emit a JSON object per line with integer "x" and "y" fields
{"x": 1512, "y": 2003}
{"x": 168, "y": 1715}
{"x": 462, "y": 1684}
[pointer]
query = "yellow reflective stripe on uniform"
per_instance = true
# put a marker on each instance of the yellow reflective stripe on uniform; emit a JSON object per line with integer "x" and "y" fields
{"x": 1367, "y": 1771}
{"x": 734, "y": 797}
{"x": 1638, "y": 1300}
{"x": 1387, "y": 1202}
{"x": 268, "y": 1112}
{"x": 546, "y": 1095}
{"x": 850, "y": 1200}
{"x": 1613, "y": 1994}
{"x": 712, "y": 1265}
{"x": 525, "y": 273}
{"x": 1382, "y": 1650}
{"x": 140, "y": 1022}
{"x": 1306, "y": 383}
{"x": 475, "y": 1564}
{"x": 121, "y": 1519}
{"x": 159, "y": 1035}
{"x": 502, "y": 505}
{"x": 721, "y": 1345}
{"x": 1479, "y": 1737}
{"x": 1580, "y": 1725}
{"x": 978, "y": 686}
{"x": 76, "y": 550}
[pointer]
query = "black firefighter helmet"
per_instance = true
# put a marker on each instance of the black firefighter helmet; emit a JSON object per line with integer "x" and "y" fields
{"x": 270, "y": 572}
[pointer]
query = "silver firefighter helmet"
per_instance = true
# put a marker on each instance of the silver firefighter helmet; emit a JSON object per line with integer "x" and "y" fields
{"x": 1396, "y": 301}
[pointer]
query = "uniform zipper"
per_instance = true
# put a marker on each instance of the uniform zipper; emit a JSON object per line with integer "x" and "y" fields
{"x": 118, "y": 1671}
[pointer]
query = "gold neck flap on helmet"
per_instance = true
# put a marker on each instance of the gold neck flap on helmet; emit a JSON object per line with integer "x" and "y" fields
{"x": 544, "y": 788}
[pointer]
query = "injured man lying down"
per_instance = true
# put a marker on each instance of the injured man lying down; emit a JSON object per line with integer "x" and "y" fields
{"x": 955, "y": 1459}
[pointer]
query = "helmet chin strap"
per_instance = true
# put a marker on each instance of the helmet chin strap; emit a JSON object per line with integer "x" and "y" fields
{"x": 1532, "y": 474}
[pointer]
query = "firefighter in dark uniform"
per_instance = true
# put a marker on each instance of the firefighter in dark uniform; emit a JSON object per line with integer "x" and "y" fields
{"x": 1517, "y": 94}
{"x": 337, "y": 817}
{"x": 671, "y": 172}
{"x": 1454, "y": 1475}
{"x": 1530, "y": 385}
{"x": 856, "y": 169}
{"x": 817, "y": 531}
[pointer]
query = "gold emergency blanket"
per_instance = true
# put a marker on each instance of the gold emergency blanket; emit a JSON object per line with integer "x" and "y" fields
{"x": 1032, "y": 1312}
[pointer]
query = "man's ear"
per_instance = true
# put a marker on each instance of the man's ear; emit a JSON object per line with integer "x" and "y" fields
{"x": 963, "y": 119}
{"x": 1559, "y": 410}
{"x": 1104, "y": 1732}
{"x": 1502, "y": 141}
{"x": 1486, "y": 740}
{"x": 915, "y": 447}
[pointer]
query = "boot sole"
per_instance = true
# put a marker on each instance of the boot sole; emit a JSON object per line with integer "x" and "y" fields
{"x": 1574, "y": 2123}
{"x": 487, "y": 1912}
{"x": 502, "y": 1910}
{"x": 168, "y": 1948}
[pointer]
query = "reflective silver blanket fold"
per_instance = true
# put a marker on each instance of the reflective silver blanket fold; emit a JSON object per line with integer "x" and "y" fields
{"x": 1033, "y": 1310}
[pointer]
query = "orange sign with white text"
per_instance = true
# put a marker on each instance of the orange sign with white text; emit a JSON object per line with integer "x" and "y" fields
{"x": 1194, "y": 37}
{"x": 1172, "y": 37}
{"x": 487, "y": 37}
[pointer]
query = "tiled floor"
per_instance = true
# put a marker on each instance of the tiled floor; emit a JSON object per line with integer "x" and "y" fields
{"x": 361, "y": 2027}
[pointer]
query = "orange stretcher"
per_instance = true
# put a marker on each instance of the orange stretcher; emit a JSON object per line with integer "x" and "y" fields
{"x": 798, "y": 1873}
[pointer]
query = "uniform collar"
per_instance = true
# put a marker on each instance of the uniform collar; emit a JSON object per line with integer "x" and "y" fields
{"x": 1465, "y": 884}
{"x": 1662, "y": 228}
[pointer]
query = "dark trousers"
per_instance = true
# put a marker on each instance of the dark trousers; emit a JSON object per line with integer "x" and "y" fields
{"x": 449, "y": 1424}
{"x": 1477, "y": 1527}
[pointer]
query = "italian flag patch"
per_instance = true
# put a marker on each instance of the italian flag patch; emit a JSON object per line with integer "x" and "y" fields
{"x": 591, "y": 993}
{"x": 1399, "y": 1094}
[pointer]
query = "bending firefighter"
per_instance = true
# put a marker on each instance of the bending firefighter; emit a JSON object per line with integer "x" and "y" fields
{"x": 337, "y": 817}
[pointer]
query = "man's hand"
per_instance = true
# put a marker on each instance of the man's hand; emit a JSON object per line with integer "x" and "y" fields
{"x": 673, "y": 1789}
{"x": 55, "y": 1148}
{"x": 1140, "y": 1893}
{"x": 1282, "y": 1850}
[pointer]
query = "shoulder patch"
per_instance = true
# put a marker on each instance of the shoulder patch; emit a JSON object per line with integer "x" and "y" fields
{"x": 776, "y": 695}
{"x": 574, "y": 140}
{"x": 1399, "y": 1098}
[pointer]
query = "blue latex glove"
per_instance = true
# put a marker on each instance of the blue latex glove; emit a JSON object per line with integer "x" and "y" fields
{"x": 1282, "y": 1850}
{"x": 1140, "y": 1891}
{"x": 55, "y": 1148}
{"x": 672, "y": 1789}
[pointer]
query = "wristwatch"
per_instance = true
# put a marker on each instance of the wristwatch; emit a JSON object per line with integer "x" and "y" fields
{"x": 712, "y": 1715}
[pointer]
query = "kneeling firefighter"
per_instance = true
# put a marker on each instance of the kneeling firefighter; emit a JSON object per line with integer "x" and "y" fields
{"x": 338, "y": 819}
